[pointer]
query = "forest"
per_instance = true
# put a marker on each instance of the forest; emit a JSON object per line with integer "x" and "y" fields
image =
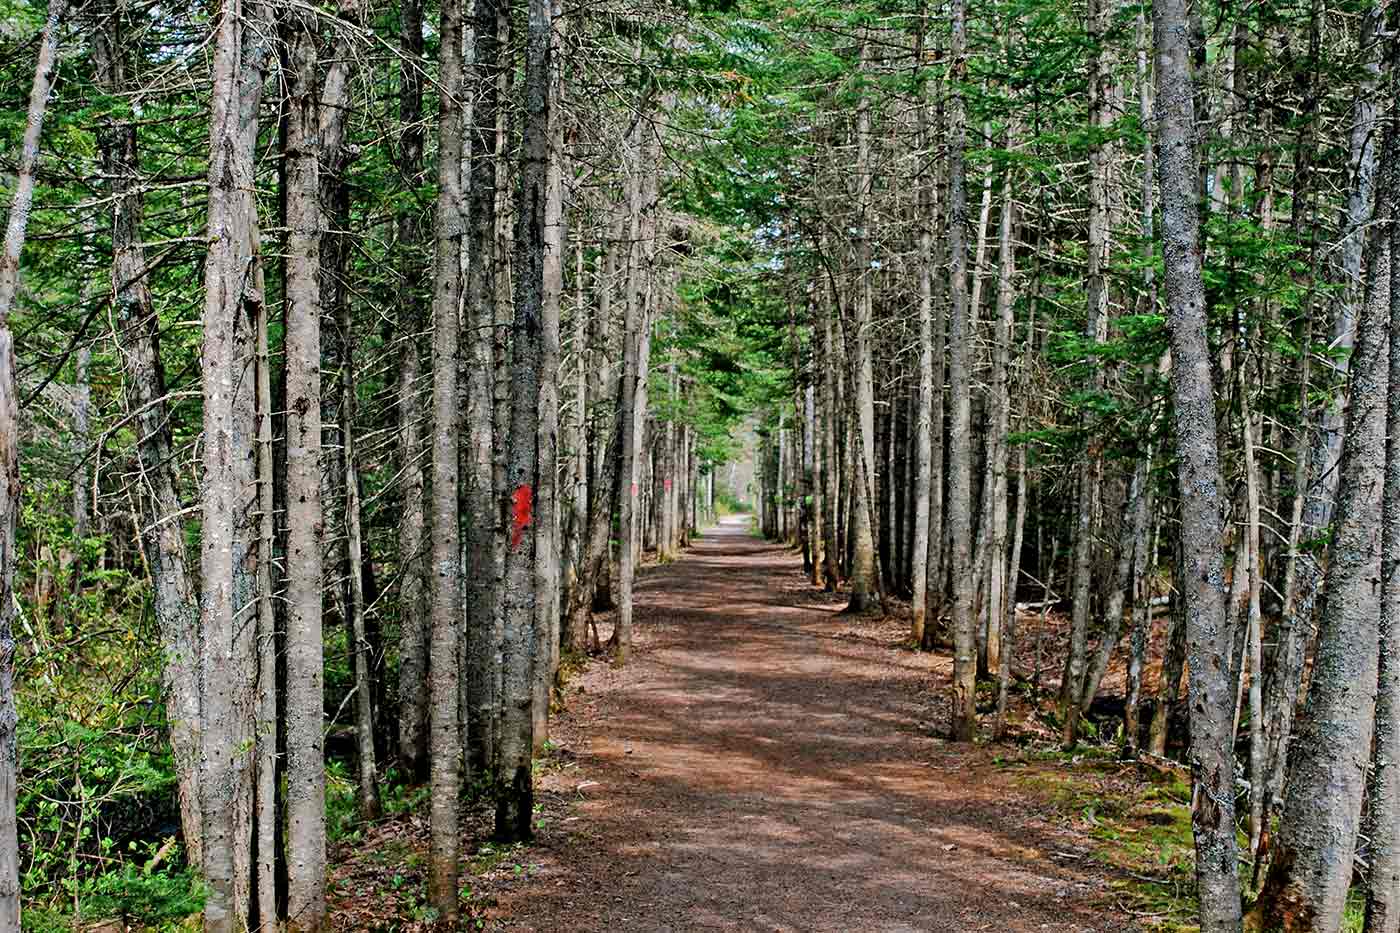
{"x": 392, "y": 390}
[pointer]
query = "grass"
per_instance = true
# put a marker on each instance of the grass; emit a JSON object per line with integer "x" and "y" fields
{"x": 1140, "y": 829}
{"x": 1141, "y": 832}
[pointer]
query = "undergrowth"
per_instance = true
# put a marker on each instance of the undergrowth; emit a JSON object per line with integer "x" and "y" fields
{"x": 96, "y": 804}
{"x": 1140, "y": 822}
{"x": 1140, "y": 828}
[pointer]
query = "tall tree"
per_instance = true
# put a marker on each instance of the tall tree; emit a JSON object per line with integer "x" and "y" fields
{"x": 1198, "y": 476}
{"x": 163, "y": 537}
{"x": 482, "y": 511}
{"x": 15, "y": 231}
{"x": 864, "y": 582}
{"x": 548, "y": 548}
{"x": 1311, "y": 870}
{"x": 229, "y": 496}
{"x": 632, "y": 394}
{"x": 1383, "y": 814}
{"x": 413, "y": 650}
{"x": 306, "y": 221}
{"x": 964, "y": 725}
{"x": 525, "y": 461}
{"x": 1320, "y": 443}
{"x": 446, "y": 598}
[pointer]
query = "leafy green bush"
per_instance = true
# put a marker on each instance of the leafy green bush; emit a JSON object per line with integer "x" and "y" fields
{"x": 153, "y": 900}
{"x": 97, "y": 788}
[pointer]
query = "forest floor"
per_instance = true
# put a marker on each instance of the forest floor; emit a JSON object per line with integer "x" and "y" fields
{"x": 764, "y": 762}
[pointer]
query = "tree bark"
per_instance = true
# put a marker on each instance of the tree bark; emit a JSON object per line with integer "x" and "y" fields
{"x": 526, "y": 463}
{"x": 9, "y": 459}
{"x": 413, "y": 615}
{"x": 1383, "y": 813}
{"x": 1000, "y": 589}
{"x": 229, "y": 500}
{"x": 1311, "y": 868}
{"x": 358, "y": 643}
{"x": 163, "y": 533}
{"x": 1320, "y": 448}
{"x": 306, "y": 839}
{"x": 827, "y": 413}
{"x": 446, "y": 596}
{"x": 483, "y": 518}
{"x": 864, "y": 586}
{"x": 1198, "y": 472}
{"x": 1173, "y": 664}
{"x": 547, "y": 544}
{"x": 964, "y": 725}
{"x": 634, "y": 385}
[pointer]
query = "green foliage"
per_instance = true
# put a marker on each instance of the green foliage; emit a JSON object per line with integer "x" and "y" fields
{"x": 342, "y": 818}
{"x": 164, "y": 900}
{"x": 155, "y": 899}
{"x": 97, "y": 803}
{"x": 1140, "y": 830}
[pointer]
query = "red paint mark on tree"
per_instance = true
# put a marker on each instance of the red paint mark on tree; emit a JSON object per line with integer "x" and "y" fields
{"x": 634, "y": 490}
{"x": 666, "y": 484}
{"x": 522, "y": 512}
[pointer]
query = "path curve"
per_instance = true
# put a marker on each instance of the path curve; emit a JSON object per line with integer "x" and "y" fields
{"x": 758, "y": 766}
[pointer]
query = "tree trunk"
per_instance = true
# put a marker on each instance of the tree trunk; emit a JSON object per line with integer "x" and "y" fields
{"x": 1383, "y": 813}
{"x": 634, "y": 386}
{"x": 163, "y": 533}
{"x": 1101, "y": 95}
{"x": 483, "y": 517}
{"x": 826, "y": 412}
{"x": 444, "y": 643}
{"x": 546, "y": 620}
{"x": 1144, "y": 563}
{"x": 1254, "y": 623}
{"x": 229, "y": 501}
{"x": 503, "y": 282}
{"x": 269, "y": 802}
{"x": 9, "y": 460}
{"x": 1320, "y": 447}
{"x": 1131, "y": 540}
{"x": 532, "y": 379}
{"x": 306, "y": 843}
{"x": 1138, "y": 639}
{"x": 581, "y": 480}
{"x": 1198, "y": 470}
{"x": 1000, "y": 592}
{"x": 596, "y": 548}
{"x": 357, "y": 640}
{"x": 1173, "y": 662}
{"x": 1009, "y": 643}
{"x": 864, "y": 586}
{"x": 1311, "y": 868}
{"x": 413, "y": 615}
{"x": 82, "y": 472}
{"x": 964, "y": 724}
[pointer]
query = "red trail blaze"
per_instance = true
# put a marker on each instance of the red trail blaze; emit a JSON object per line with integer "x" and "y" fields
{"x": 522, "y": 511}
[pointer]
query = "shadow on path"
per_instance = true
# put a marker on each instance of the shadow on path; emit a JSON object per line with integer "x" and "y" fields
{"x": 753, "y": 770}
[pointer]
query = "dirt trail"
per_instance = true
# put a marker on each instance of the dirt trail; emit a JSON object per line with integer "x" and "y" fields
{"x": 759, "y": 766}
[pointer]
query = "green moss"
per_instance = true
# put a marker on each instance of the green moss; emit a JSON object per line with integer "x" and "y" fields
{"x": 1141, "y": 831}
{"x": 1354, "y": 918}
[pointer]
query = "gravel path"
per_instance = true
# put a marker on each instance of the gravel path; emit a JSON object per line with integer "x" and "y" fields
{"x": 763, "y": 764}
